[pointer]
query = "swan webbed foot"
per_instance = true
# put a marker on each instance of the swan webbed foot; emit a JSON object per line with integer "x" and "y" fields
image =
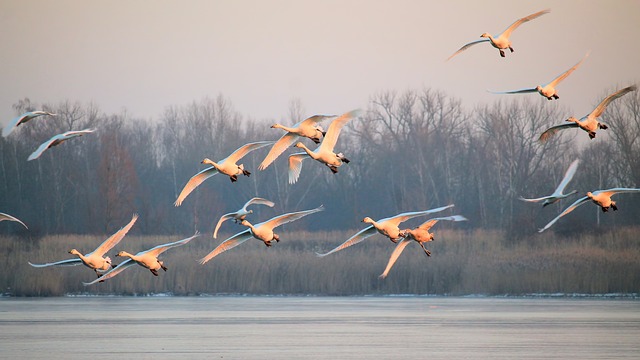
{"x": 603, "y": 126}
{"x": 276, "y": 237}
{"x": 555, "y": 96}
{"x": 345, "y": 160}
{"x": 333, "y": 169}
{"x": 614, "y": 207}
{"x": 501, "y": 53}
{"x": 245, "y": 173}
{"x": 316, "y": 140}
{"x": 164, "y": 267}
{"x": 395, "y": 241}
{"x": 592, "y": 134}
{"x": 154, "y": 272}
{"x": 233, "y": 178}
{"x": 510, "y": 48}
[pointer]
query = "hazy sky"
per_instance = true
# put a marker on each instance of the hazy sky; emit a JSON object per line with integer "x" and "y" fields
{"x": 332, "y": 55}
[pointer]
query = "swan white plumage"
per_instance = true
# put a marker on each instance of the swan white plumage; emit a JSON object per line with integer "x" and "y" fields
{"x": 8, "y": 217}
{"x": 23, "y": 119}
{"x": 262, "y": 231}
{"x": 589, "y": 122}
{"x": 557, "y": 194}
{"x": 147, "y": 259}
{"x": 308, "y": 128}
{"x": 421, "y": 235}
{"x": 601, "y": 198}
{"x": 323, "y": 153}
{"x": 548, "y": 90}
{"x": 501, "y": 42}
{"x": 95, "y": 260}
{"x": 227, "y": 166}
{"x": 388, "y": 227}
{"x": 241, "y": 214}
{"x": 57, "y": 140}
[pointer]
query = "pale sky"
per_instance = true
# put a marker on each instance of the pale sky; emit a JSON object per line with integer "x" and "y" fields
{"x": 332, "y": 55}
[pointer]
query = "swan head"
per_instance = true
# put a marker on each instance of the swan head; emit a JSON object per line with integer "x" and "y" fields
{"x": 485, "y": 35}
{"x": 572, "y": 119}
{"x": 245, "y": 223}
{"x": 276, "y": 126}
{"x": 107, "y": 260}
{"x": 207, "y": 161}
{"x": 299, "y": 145}
{"x": 590, "y": 195}
{"x": 74, "y": 252}
{"x": 122, "y": 253}
{"x": 250, "y": 212}
{"x": 367, "y": 220}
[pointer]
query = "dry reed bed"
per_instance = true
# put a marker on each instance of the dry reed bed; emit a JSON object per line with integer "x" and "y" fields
{"x": 462, "y": 262}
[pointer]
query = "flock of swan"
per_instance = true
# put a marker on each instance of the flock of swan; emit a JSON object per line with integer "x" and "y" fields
{"x": 325, "y": 154}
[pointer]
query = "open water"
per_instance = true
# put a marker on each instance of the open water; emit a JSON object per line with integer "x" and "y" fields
{"x": 402, "y": 327}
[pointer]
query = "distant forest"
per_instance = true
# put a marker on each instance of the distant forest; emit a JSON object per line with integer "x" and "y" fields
{"x": 409, "y": 151}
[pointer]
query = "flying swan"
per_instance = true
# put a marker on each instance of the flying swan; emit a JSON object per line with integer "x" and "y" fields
{"x": 323, "y": 153}
{"x": 501, "y": 42}
{"x": 147, "y": 259}
{"x": 308, "y": 128}
{"x": 8, "y": 217}
{"x": 557, "y": 194}
{"x": 95, "y": 260}
{"x": 589, "y": 122}
{"x": 421, "y": 235}
{"x": 548, "y": 90}
{"x": 57, "y": 140}
{"x": 601, "y": 198}
{"x": 241, "y": 214}
{"x": 262, "y": 231}
{"x": 387, "y": 227}
{"x": 23, "y": 119}
{"x": 225, "y": 166}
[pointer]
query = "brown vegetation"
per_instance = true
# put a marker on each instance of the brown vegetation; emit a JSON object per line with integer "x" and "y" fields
{"x": 463, "y": 262}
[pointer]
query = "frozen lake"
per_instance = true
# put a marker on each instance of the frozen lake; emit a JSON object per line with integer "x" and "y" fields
{"x": 319, "y": 328}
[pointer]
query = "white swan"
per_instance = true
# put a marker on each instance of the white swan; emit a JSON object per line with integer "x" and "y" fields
{"x": 147, "y": 259}
{"x": 557, "y": 194}
{"x": 387, "y": 227}
{"x": 421, "y": 235}
{"x": 548, "y": 90}
{"x": 601, "y": 198}
{"x": 502, "y": 41}
{"x": 262, "y": 231}
{"x": 323, "y": 153}
{"x": 57, "y": 140}
{"x": 306, "y": 128}
{"x": 226, "y": 166}
{"x": 241, "y": 214}
{"x": 8, "y": 217}
{"x": 95, "y": 260}
{"x": 589, "y": 122}
{"x": 23, "y": 119}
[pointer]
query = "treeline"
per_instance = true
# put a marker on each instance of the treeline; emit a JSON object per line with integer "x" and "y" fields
{"x": 462, "y": 262}
{"x": 409, "y": 151}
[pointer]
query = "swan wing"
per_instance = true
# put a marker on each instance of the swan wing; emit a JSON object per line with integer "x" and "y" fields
{"x": 223, "y": 218}
{"x": 113, "y": 272}
{"x": 554, "y": 129}
{"x": 57, "y": 139}
{"x": 604, "y": 103}
{"x": 245, "y": 149}
{"x": 331, "y": 137}
{"x": 431, "y": 222}
{"x": 564, "y": 75}
{"x": 258, "y": 201}
{"x": 536, "y": 199}
{"x": 569, "y": 209}
{"x": 286, "y": 141}
{"x": 68, "y": 262}
{"x": 519, "y": 22}
{"x": 21, "y": 120}
{"x": 287, "y": 218}
{"x": 394, "y": 256}
{"x": 228, "y": 244}
{"x": 155, "y": 251}
{"x": 295, "y": 166}
{"x": 313, "y": 120}
{"x": 114, "y": 239}
{"x": 611, "y": 192}
{"x": 519, "y": 91}
{"x": 193, "y": 183}
{"x": 357, "y": 238}
{"x": 8, "y": 217}
{"x": 396, "y": 220}
{"x": 466, "y": 46}
{"x": 568, "y": 175}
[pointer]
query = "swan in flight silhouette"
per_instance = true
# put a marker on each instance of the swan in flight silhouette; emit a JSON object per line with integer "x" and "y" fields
{"x": 557, "y": 194}
{"x": 387, "y": 227}
{"x": 147, "y": 259}
{"x": 57, "y": 140}
{"x": 421, "y": 235}
{"x": 308, "y": 128}
{"x": 548, "y": 90}
{"x": 95, "y": 260}
{"x": 241, "y": 214}
{"x": 589, "y": 122}
{"x": 323, "y": 153}
{"x": 227, "y": 166}
{"x": 262, "y": 231}
{"x": 8, "y": 217}
{"x": 601, "y": 198}
{"x": 23, "y": 119}
{"x": 501, "y": 42}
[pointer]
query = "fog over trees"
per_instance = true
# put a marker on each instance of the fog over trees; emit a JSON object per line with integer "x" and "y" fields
{"x": 409, "y": 151}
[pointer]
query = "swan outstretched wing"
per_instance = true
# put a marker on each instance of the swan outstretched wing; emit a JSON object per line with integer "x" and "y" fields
{"x": 431, "y": 222}
{"x": 114, "y": 239}
{"x": 569, "y": 209}
{"x": 394, "y": 256}
{"x": 228, "y": 244}
{"x": 194, "y": 182}
{"x": 295, "y": 166}
{"x": 564, "y": 75}
{"x": 258, "y": 201}
{"x": 397, "y": 219}
{"x": 519, "y": 91}
{"x": 155, "y": 251}
{"x": 466, "y": 46}
{"x": 8, "y": 217}
{"x": 223, "y": 218}
{"x": 519, "y": 22}
{"x": 57, "y": 139}
{"x": 357, "y": 238}
{"x": 604, "y": 103}
{"x": 286, "y": 141}
{"x": 287, "y": 218}
{"x": 21, "y": 120}
{"x": 331, "y": 137}
{"x": 611, "y": 192}
{"x": 68, "y": 262}
{"x": 245, "y": 149}
{"x": 113, "y": 272}
{"x": 554, "y": 129}
{"x": 568, "y": 175}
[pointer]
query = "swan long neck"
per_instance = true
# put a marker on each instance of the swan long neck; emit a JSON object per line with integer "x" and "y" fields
{"x": 125, "y": 254}
{"x": 210, "y": 162}
{"x": 248, "y": 224}
{"x": 279, "y": 126}
{"x": 306, "y": 149}
{"x": 78, "y": 254}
